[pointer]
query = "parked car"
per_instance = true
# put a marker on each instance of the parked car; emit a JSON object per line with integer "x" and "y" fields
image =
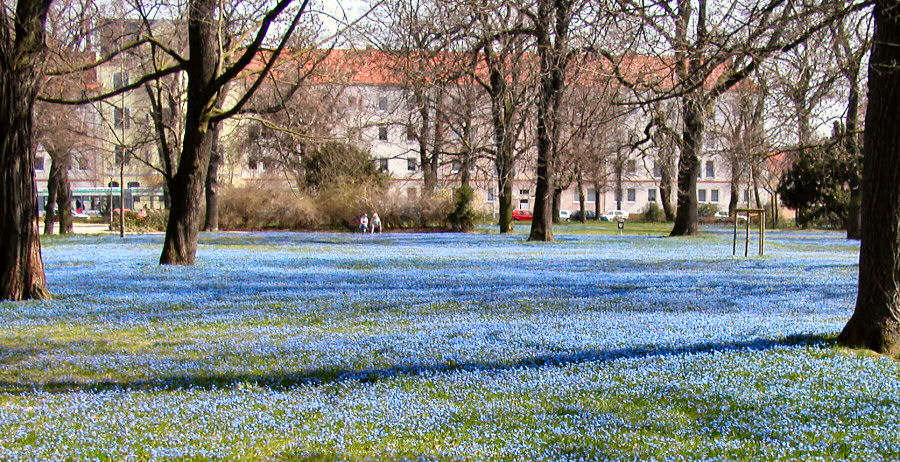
{"x": 576, "y": 215}
{"x": 522, "y": 215}
{"x": 564, "y": 214}
{"x": 79, "y": 214}
{"x": 614, "y": 215}
{"x": 722, "y": 217}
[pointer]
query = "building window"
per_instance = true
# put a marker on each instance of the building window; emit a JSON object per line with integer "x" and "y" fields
{"x": 631, "y": 166}
{"x": 38, "y": 162}
{"x": 411, "y": 133}
{"x": 747, "y": 196}
{"x": 657, "y": 170}
{"x": 490, "y": 195}
{"x": 710, "y": 169}
{"x": 134, "y": 184}
{"x": 618, "y": 195}
{"x": 382, "y": 103}
{"x": 383, "y": 165}
{"x": 122, "y": 117}
{"x": 591, "y": 195}
{"x": 523, "y": 203}
{"x": 382, "y": 133}
{"x": 651, "y": 195}
{"x": 454, "y": 166}
{"x": 411, "y": 164}
{"x": 701, "y": 195}
{"x": 714, "y": 195}
{"x": 113, "y": 184}
{"x": 632, "y": 195}
{"x": 524, "y": 192}
{"x": 120, "y": 79}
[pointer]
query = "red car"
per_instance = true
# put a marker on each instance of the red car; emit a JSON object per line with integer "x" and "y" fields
{"x": 522, "y": 215}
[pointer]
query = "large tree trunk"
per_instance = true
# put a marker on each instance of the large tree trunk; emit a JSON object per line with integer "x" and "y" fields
{"x": 21, "y": 267}
{"x": 689, "y": 167}
{"x": 553, "y": 68}
{"x": 598, "y": 207}
{"x": 875, "y": 323}
{"x": 182, "y": 231}
{"x": 50, "y": 204}
{"x": 211, "y": 222}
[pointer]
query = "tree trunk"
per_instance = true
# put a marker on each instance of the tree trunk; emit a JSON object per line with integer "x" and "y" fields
{"x": 505, "y": 196}
{"x": 211, "y": 223}
{"x": 665, "y": 191}
{"x": 854, "y": 218}
{"x": 557, "y": 199}
{"x": 689, "y": 167}
{"x": 21, "y": 266}
{"x": 64, "y": 196}
{"x": 619, "y": 190}
{"x": 552, "y": 56}
{"x": 182, "y": 231}
{"x": 875, "y": 323}
{"x": 50, "y": 204}
{"x": 582, "y": 209}
{"x": 597, "y": 205}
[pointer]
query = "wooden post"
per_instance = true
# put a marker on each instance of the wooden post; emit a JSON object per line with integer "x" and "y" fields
{"x": 734, "y": 237}
{"x": 747, "y": 236}
{"x": 762, "y": 233}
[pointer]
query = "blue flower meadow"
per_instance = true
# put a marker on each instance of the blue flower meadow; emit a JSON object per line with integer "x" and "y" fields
{"x": 294, "y": 346}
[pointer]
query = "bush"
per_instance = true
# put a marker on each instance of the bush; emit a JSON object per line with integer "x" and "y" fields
{"x": 254, "y": 208}
{"x": 155, "y": 221}
{"x": 462, "y": 218}
{"x": 707, "y": 210}
{"x": 653, "y": 213}
{"x": 333, "y": 207}
{"x": 400, "y": 212}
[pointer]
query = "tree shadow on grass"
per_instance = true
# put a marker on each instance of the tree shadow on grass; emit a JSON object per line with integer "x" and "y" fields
{"x": 286, "y": 380}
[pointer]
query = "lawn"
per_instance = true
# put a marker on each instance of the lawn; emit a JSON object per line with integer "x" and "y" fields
{"x": 445, "y": 347}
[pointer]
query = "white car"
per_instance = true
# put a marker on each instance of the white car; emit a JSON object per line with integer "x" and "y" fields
{"x": 722, "y": 215}
{"x": 564, "y": 214}
{"x": 614, "y": 215}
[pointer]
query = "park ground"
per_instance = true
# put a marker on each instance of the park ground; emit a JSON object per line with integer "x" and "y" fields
{"x": 317, "y": 346}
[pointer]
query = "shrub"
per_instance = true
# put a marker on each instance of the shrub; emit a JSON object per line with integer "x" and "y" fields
{"x": 653, "y": 213}
{"x": 462, "y": 218}
{"x": 156, "y": 220}
{"x": 254, "y": 208}
{"x": 707, "y": 210}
